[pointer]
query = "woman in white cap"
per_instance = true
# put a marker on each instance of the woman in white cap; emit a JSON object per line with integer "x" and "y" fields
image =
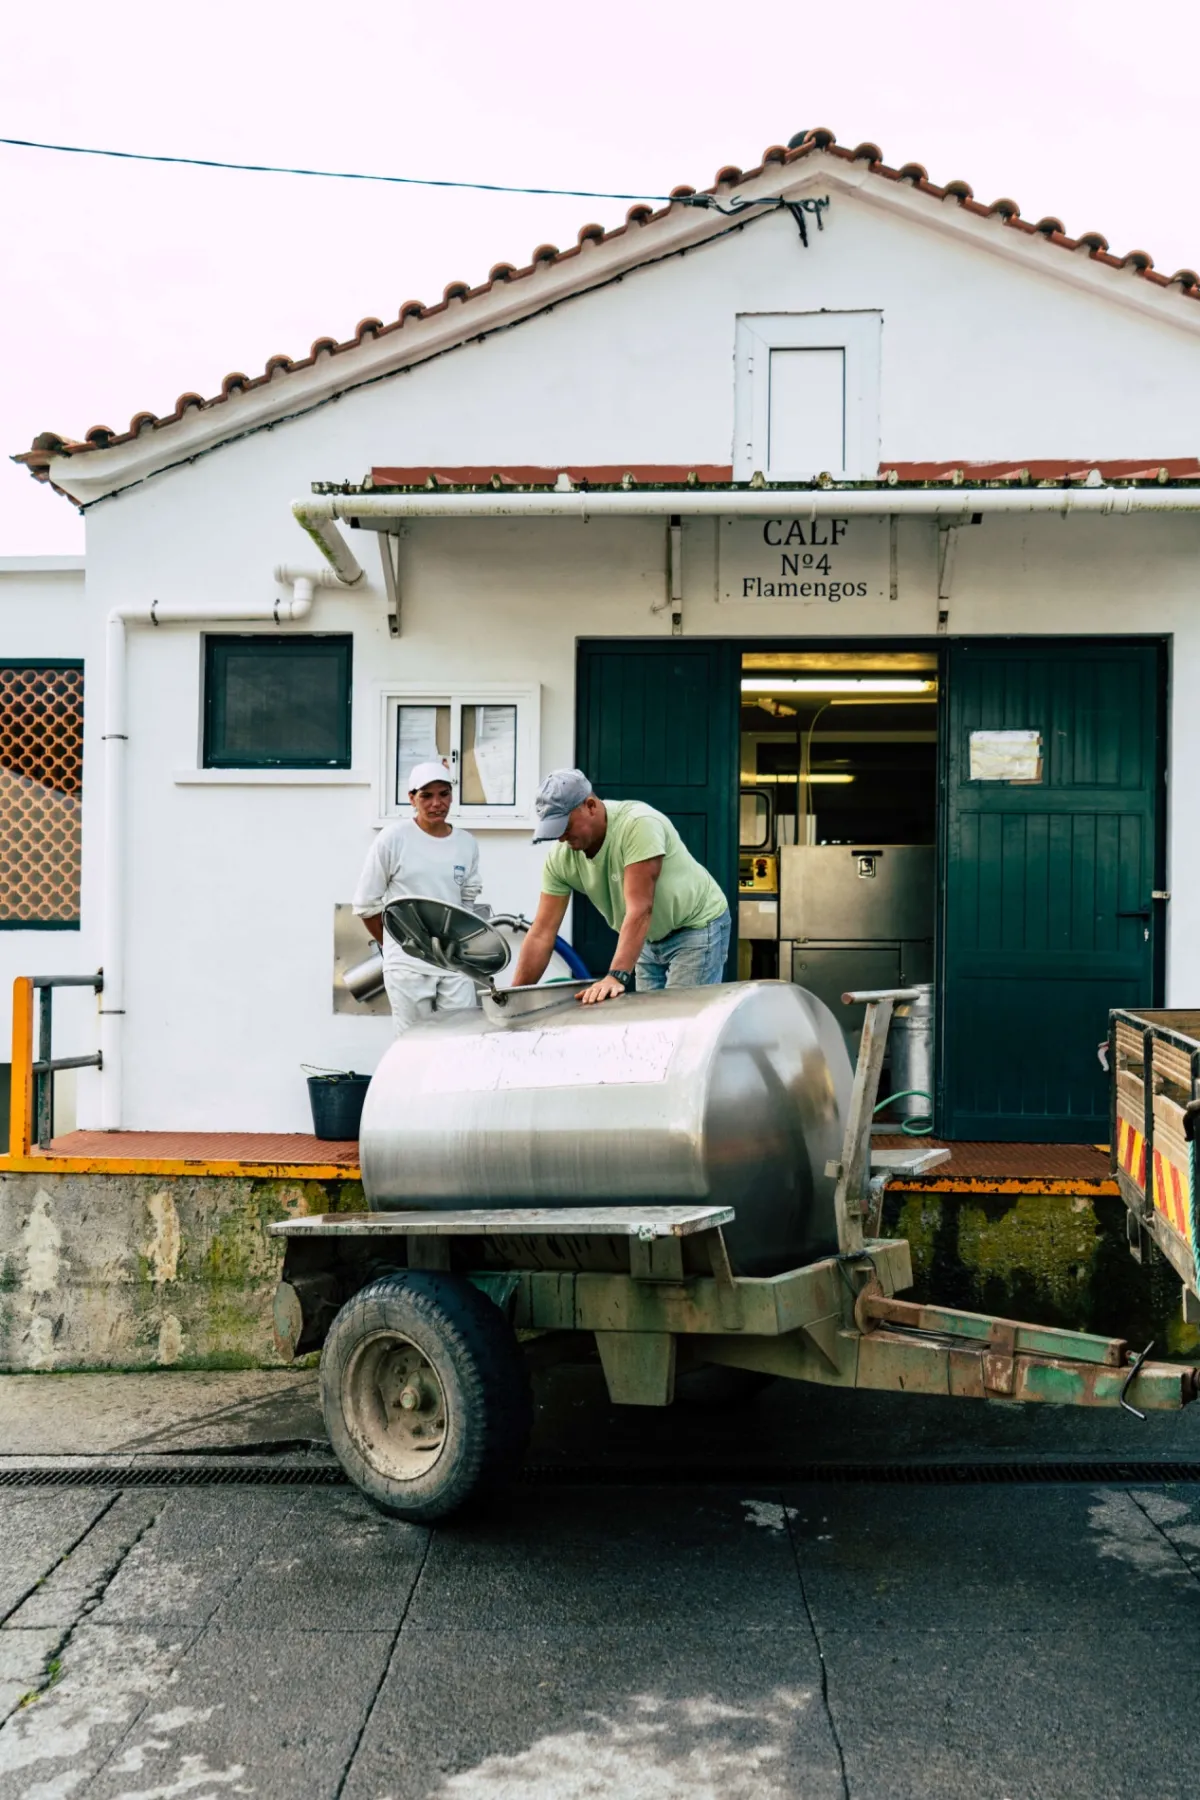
{"x": 423, "y": 855}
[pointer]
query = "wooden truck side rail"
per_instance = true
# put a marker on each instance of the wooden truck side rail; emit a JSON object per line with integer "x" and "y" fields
{"x": 1154, "y": 1072}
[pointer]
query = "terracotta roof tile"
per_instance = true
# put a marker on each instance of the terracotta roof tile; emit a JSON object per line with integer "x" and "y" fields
{"x": 1049, "y": 469}
{"x": 538, "y": 475}
{"x": 48, "y": 444}
{"x": 1055, "y": 470}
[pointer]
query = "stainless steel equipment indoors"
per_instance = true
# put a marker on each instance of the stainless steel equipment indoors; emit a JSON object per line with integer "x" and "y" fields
{"x": 721, "y": 1094}
{"x": 856, "y": 916}
{"x": 838, "y": 826}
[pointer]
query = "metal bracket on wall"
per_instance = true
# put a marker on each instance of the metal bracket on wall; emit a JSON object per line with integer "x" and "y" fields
{"x": 673, "y": 574}
{"x": 389, "y": 556}
{"x": 947, "y": 557}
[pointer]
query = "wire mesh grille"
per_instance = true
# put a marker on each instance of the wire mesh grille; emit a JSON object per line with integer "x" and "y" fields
{"x": 41, "y": 792}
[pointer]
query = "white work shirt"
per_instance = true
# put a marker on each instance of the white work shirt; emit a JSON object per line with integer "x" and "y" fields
{"x": 406, "y": 860}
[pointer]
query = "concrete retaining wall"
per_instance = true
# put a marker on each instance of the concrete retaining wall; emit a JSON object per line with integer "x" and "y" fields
{"x": 141, "y": 1271}
{"x": 134, "y": 1272}
{"x": 1048, "y": 1258}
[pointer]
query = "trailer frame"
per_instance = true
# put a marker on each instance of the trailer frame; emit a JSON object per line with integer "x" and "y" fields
{"x": 650, "y": 1291}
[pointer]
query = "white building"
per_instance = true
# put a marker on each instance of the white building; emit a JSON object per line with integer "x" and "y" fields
{"x": 658, "y": 503}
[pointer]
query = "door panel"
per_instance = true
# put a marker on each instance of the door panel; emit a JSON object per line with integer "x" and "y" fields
{"x": 1038, "y": 876}
{"x": 658, "y": 722}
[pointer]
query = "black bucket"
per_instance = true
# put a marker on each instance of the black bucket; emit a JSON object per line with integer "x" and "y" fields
{"x": 337, "y": 1103}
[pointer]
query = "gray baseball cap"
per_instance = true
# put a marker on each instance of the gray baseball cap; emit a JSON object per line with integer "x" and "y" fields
{"x": 561, "y": 792}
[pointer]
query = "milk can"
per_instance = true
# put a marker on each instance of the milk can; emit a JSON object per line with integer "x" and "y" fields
{"x": 911, "y": 1040}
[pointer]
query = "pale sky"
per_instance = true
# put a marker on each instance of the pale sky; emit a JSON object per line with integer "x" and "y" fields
{"x": 126, "y": 285}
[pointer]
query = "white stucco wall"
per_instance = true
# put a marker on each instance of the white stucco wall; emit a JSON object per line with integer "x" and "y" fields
{"x": 231, "y": 887}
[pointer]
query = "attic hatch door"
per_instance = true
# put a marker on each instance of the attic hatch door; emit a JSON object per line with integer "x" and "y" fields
{"x": 659, "y": 722}
{"x": 1053, "y": 848}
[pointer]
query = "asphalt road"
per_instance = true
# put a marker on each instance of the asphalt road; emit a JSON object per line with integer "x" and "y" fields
{"x": 815, "y": 1642}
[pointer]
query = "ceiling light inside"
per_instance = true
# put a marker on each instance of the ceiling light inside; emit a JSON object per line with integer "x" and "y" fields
{"x": 837, "y": 684}
{"x": 819, "y": 779}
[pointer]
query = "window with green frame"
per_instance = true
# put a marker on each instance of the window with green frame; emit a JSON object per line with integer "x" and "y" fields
{"x": 275, "y": 702}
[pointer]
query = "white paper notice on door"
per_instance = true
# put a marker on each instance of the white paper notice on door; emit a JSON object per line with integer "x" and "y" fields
{"x": 1006, "y": 756}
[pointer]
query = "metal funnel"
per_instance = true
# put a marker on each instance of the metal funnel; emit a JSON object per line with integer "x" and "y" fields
{"x": 448, "y": 937}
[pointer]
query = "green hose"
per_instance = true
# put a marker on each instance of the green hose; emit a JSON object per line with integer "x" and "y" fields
{"x": 921, "y": 1124}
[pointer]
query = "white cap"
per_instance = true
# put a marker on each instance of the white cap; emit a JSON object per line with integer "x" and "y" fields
{"x": 425, "y": 773}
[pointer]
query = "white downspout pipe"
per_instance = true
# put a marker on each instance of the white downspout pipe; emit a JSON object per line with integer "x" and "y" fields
{"x": 303, "y": 585}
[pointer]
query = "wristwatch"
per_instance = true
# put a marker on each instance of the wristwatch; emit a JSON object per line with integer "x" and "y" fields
{"x": 624, "y": 976}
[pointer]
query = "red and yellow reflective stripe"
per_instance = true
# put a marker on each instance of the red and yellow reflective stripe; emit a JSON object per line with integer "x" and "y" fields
{"x": 1172, "y": 1194}
{"x": 1131, "y": 1152}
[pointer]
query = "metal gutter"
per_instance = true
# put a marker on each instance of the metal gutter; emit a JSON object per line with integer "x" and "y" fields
{"x": 320, "y": 516}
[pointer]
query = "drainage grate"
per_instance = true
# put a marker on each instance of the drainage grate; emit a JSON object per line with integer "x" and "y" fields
{"x": 138, "y": 1475}
{"x": 962, "y": 1474}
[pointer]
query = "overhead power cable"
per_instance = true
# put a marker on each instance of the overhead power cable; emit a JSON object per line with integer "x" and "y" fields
{"x": 212, "y": 162}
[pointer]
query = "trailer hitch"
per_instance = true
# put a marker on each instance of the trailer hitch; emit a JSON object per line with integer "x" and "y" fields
{"x": 936, "y": 1349}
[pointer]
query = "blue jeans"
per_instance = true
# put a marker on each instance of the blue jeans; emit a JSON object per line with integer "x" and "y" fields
{"x": 692, "y": 957}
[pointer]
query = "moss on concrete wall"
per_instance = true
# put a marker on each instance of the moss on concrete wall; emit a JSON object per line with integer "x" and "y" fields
{"x": 139, "y": 1271}
{"x": 1051, "y": 1259}
{"x": 114, "y": 1271}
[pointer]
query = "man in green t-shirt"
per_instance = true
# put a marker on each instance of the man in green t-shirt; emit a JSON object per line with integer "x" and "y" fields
{"x": 671, "y": 918}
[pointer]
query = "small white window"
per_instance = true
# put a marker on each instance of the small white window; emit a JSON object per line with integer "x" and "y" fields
{"x": 487, "y": 737}
{"x": 807, "y": 396}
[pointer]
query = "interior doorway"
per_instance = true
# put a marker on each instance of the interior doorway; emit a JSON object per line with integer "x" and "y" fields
{"x": 838, "y": 815}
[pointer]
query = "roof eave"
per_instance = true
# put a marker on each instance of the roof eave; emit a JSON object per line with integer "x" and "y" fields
{"x": 94, "y": 473}
{"x": 1016, "y": 242}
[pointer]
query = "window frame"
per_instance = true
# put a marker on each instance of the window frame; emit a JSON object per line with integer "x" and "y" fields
{"x": 212, "y": 642}
{"x": 859, "y": 335}
{"x": 390, "y": 806}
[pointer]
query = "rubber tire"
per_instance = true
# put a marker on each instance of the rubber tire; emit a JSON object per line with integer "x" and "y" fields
{"x": 489, "y": 1409}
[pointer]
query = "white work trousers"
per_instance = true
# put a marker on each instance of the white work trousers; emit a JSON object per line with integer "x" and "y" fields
{"x": 417, "y": 994}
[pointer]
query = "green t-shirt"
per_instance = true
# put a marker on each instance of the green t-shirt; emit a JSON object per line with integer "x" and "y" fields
{"x": 685, "y": 894}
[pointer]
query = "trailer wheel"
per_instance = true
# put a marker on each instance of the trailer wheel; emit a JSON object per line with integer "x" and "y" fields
{"x": 425, "y": 1394}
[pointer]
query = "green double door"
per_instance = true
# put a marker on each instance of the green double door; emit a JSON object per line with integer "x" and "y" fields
{"x": 659, "y": 722}
{"x": 1046, "y": 914}
{"x": 1049, "y": 916}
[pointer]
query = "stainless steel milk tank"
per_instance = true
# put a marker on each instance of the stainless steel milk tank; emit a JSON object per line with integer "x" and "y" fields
{"x": 733, "y": 1095}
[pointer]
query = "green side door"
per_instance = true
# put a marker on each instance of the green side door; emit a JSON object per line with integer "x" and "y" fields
{"x": 659, "y": 722}
{"x": 1048, "y": 879}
